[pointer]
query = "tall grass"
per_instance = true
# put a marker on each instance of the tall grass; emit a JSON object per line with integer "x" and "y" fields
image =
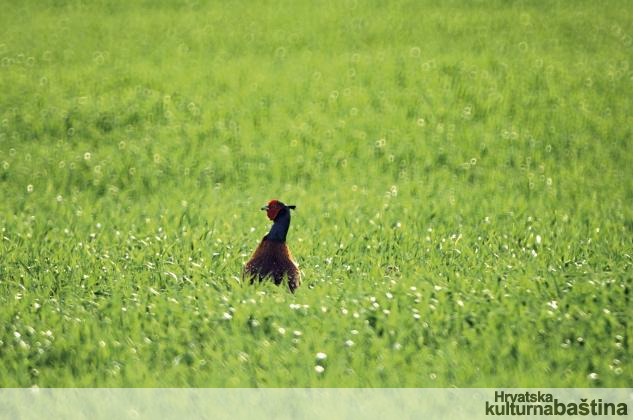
{"x": 462, "y": 174}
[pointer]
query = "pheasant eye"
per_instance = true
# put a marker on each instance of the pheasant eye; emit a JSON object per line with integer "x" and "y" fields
{"x": 273, "y": 210}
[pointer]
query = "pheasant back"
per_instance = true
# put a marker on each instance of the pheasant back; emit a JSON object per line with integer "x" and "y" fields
{"x": 272, "y": 259}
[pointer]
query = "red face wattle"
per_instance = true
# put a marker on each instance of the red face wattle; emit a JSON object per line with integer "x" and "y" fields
{"x": 273, "y": 209}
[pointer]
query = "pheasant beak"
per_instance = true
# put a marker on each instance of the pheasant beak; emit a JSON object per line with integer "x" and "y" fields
{"x": 264, "y": 208}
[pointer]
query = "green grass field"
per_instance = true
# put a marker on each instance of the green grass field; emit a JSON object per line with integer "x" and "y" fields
{"x": 462, "y": 172}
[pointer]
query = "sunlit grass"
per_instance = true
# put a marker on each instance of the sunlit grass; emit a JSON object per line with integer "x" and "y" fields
{"x": 462, "y": 175}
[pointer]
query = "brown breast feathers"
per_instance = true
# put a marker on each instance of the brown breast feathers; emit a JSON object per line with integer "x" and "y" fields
{"x": 273, "y": 259}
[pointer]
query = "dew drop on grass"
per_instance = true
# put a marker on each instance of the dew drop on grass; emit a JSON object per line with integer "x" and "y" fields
{"x": 467, "y": 112}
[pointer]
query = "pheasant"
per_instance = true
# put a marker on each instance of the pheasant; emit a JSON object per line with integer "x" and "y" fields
{"x": 272, "y": 257}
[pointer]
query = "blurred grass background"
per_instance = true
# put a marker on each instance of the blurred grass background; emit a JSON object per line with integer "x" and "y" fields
{"x": 462, "y": 174}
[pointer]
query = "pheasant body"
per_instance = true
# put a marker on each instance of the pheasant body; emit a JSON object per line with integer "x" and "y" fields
{"x": 272, "y": 258}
